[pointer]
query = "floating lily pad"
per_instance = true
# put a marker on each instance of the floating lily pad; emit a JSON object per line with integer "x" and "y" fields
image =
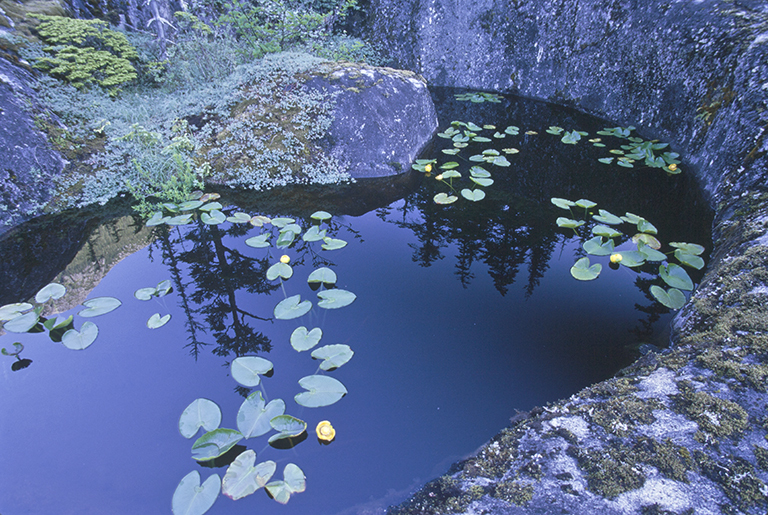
{"x": 481, "y": 181}
{"x": 333, "y": 244}
{"x": 322, "y": 275}
{"x": 650, "y": 253}
{"x": 259, "y": 241}
{"x": 212, "y": 206}
{"x": 606, "y": 160}
{"x": 243, "y": 478}
{"x": 189, "y": 205}
{"x": 322, "y": 391}
{"x": 479, "y": 172}
{"x": 214, "y": 217}
{"x": 691, "y": 260}
{"x": 568, "y": 223}
{"x": 607, "y": 218}
{"x": 314, "y": 234}
{"x": 597, "y": 247}
{"x": 200, "y": 413}
{"x": 99, "y": 306}
{"x": 646, "y": 226}
{"x": 293, "y": 482}
{"x": 604, "y": 230}
{"x": 254, "y": 415}
{"x": 632, "y": 258}
{"x": 292, "y": 307}
{"x": 333, "y": 356}
{"x": 247, "y": 370}
{"x": 647, "y": 239}
{"x": 473, "y": 195}
{"x": 215, "y": 443}
{"x": 180, "y": 219}
{"x": 321, "y": 215}
{"x": 11, "y": 311}
{"x": 583, "y": 271}
{"x": 444, "y": 198}
{"x": 192, "y": 498}
{"x": 335, "y": 298}
{"x": 451, "y": 174}
{"x": 79, "y": 340}
{"x": 23, "y": 323}
{"x": 279, "y": 269}
{"x": 156, "y": 320}
{"x": 562, "y": 203}
{"x": 285, "y": 239}
{"x": 450, "y": 165}
{"x": 672, "y": 298}
{"x": 51, "y": 291}
{"x": 302, "y": 340}
{"x": 157, "y": 218}
{"x": 287, "y": 427}
{"x": 281, "y": 222}
{"x": 585, "y": 204}
{"x": 688, "y": 248}
{"x": 676, "y": 276}
{"x": 239, "y": 218}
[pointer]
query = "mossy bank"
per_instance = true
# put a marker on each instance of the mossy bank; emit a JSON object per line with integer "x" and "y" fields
{"x": 684, "y": 431}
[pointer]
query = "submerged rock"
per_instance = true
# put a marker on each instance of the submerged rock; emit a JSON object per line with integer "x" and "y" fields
{"x": 382, "y": 118}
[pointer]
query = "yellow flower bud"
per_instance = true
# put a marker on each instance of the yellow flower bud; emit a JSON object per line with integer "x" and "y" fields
{"x": 615, "y": 258}
{"x": 439, "y": 177}
{"x": 672, "y": 167}
{"x": 285, "y": 259}
{"x": 428, "y": 167}
{"x": 325, "y": 431}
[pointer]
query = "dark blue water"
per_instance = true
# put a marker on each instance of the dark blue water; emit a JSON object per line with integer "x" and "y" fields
{"x": 463, "y": 316}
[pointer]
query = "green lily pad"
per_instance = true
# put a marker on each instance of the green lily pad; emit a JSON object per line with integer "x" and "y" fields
{"x": 285, "y": 238}
{"x": 145, "y": 293}
{"x": 583, "y": 271}
{"x": 481, "y": 181}
{"x": 647, "y": 239}
{"x": 451, "y": 174}
{"x": 157, "y": 218}
{"x": 192, "y": 498}
{"x": 632, "y": 258}
{"x": 322, "y": 275}
{"x": 672, "y": 298}
{"x": 450, "y": 165}
{"x": 597, "y": 247}
{"x": 260, "y": 241}
{"x": 243, "y": 478}
{"x": 569, "y": 223}
{"x": 292, "y": 307}
{"x": 314, "y": 234}
{"x": 51, "y": 291}
{"x": 322, "y": 391}
{"x": 632, "y": 218}
{"x": 321, "y": 215}
{"x": 287, "y": 427}
{"x": 281, "y": 222}
{"x": 606, "y": 160}
{"x": 293, "y": 482}
{"x": 691, "y": 260}
{"x": 247, "y": 370}
{"x": 650, "y": 254}
{"x": 676, "y": 277}
{"x": 239, "y": 218}
{"x": 688, "y": 248}
{"x": 333, "y": 356}
{"x": 212, "y": 206}
{"x": 254, "y": 415}
{"x": 17, "y": 348}
{"x": 189, "y": 205}
{"x": 473, "y": 195}
{"x": 156, "y": 320}
{"x": 180, "y": 219}
{"x": 607, "y": 218}
{"x": 479, "y": 172}
{"x": 646, "y": 226}
{"x": 585, "y": 204}
{"x": 444, "y": 198}
{"x": 260, "y": 220}
{"x": 99, "y": 306}
{"x": 215, "y": 443}
{"x": 335, "y": 298}
{"x": 279, "y": 269}
{"x": 333, "y": 244}
{"x": 214, "y": 217}
{"x": 604, "y": 230}
{"x": 11, "y": 311}
{"x": 79, "y": 340}
{"x": 562, "y": 203}
{"x": 302, "y": 340}
{"x": 200, "y": 413}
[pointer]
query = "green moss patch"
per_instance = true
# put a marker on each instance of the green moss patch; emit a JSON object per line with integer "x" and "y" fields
{"x": 610, "y": 472}
{"x": 513, "y": 492}
{"x": 716, "y": 416}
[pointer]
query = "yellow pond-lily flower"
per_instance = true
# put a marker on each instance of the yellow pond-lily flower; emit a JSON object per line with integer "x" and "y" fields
{"x": 615, "y": 258}
{"x": 439, "y": 177}
{"x": 285, "y": 259}
{"x": 428, "y": 167}
{"x": 325, "y": 431}
{"x": 672, "y": 167}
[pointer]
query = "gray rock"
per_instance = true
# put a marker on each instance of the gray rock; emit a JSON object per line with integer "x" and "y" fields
{"x": 382, "y": 119}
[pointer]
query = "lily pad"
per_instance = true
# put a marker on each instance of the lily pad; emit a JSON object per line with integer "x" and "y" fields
{"x": 279, "y": 269}
{"x": 323, "y": 391}
{"x": 691, "y": 260}
{"x": 585, "y": 204}
{"x": 156, "y": 320}
{"x": 333, "y": 244}
{"x": 482, "y": 181}
{"x": 333, "y": 356}
{"x": 690, "y": 248}
{"x": 214, "y": 217}
{"x": 335, "y": 298}
{"x": 281, "y": 222}
{"x": 322, "y": 275}
{"x": 321, "y": 215}
{"x": 479, "y": 172}
{"x": 285, "y": 238}
{"x": 215, "y": 443}
{"x": 99, "y": 306}
{"x": 157, "y": 218}
{"x": 632, "y": 258}
{"x": 243, "y": 478}
{"x": 260, "y": 220}
{"x": 189, "y": 205}
{"x": 607, "y": 218}
{"x": 239, "y": 218}
{"x": 247, "y": 370}
{"x": 293, "y": 482}
{"x": 646, "y": 226}
{"x": 568, "y": 223}
{"x": 597, "y": 247}
{"x": 562, "y": 203}
{"x": 254, "y": 415}
{"x": 473, "y": 195}
{"x": 79, "y": 340}
{"x": 302, "y": 340}
{"x": 444, "y": 198}
{"x": 260, "y": 241}
{"x": 212, "y": 206}
{"x": 650, "y": 253}
{"x": 314, "y": 234}
{"x": 51, "y": 291}
{"x": 287, "y": 427}
{"x": 23, "y": 323}
{"x": 200, "y": 413}
{"x": 451, "y": 174}
{"x": 180, "y": 219}
{"x": 672, "y": 298}
{"x": 11, "y": 311}
{"x": 647, "y": 239}
{"x": 292, "y": 307}
{"x": 604, "y": 230}
{"x": 192, "y": 498}
{"x": 676, "y": 276}
{"x": 583, "y": 271}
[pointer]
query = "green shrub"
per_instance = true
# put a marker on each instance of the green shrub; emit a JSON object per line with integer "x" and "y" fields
{"x": 85, "y": 52}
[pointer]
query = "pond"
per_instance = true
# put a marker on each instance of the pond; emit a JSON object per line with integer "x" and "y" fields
{"x": 458, "y": 317}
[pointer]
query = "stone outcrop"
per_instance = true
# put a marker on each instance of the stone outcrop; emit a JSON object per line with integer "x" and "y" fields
{"x": 679, "y": 432}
